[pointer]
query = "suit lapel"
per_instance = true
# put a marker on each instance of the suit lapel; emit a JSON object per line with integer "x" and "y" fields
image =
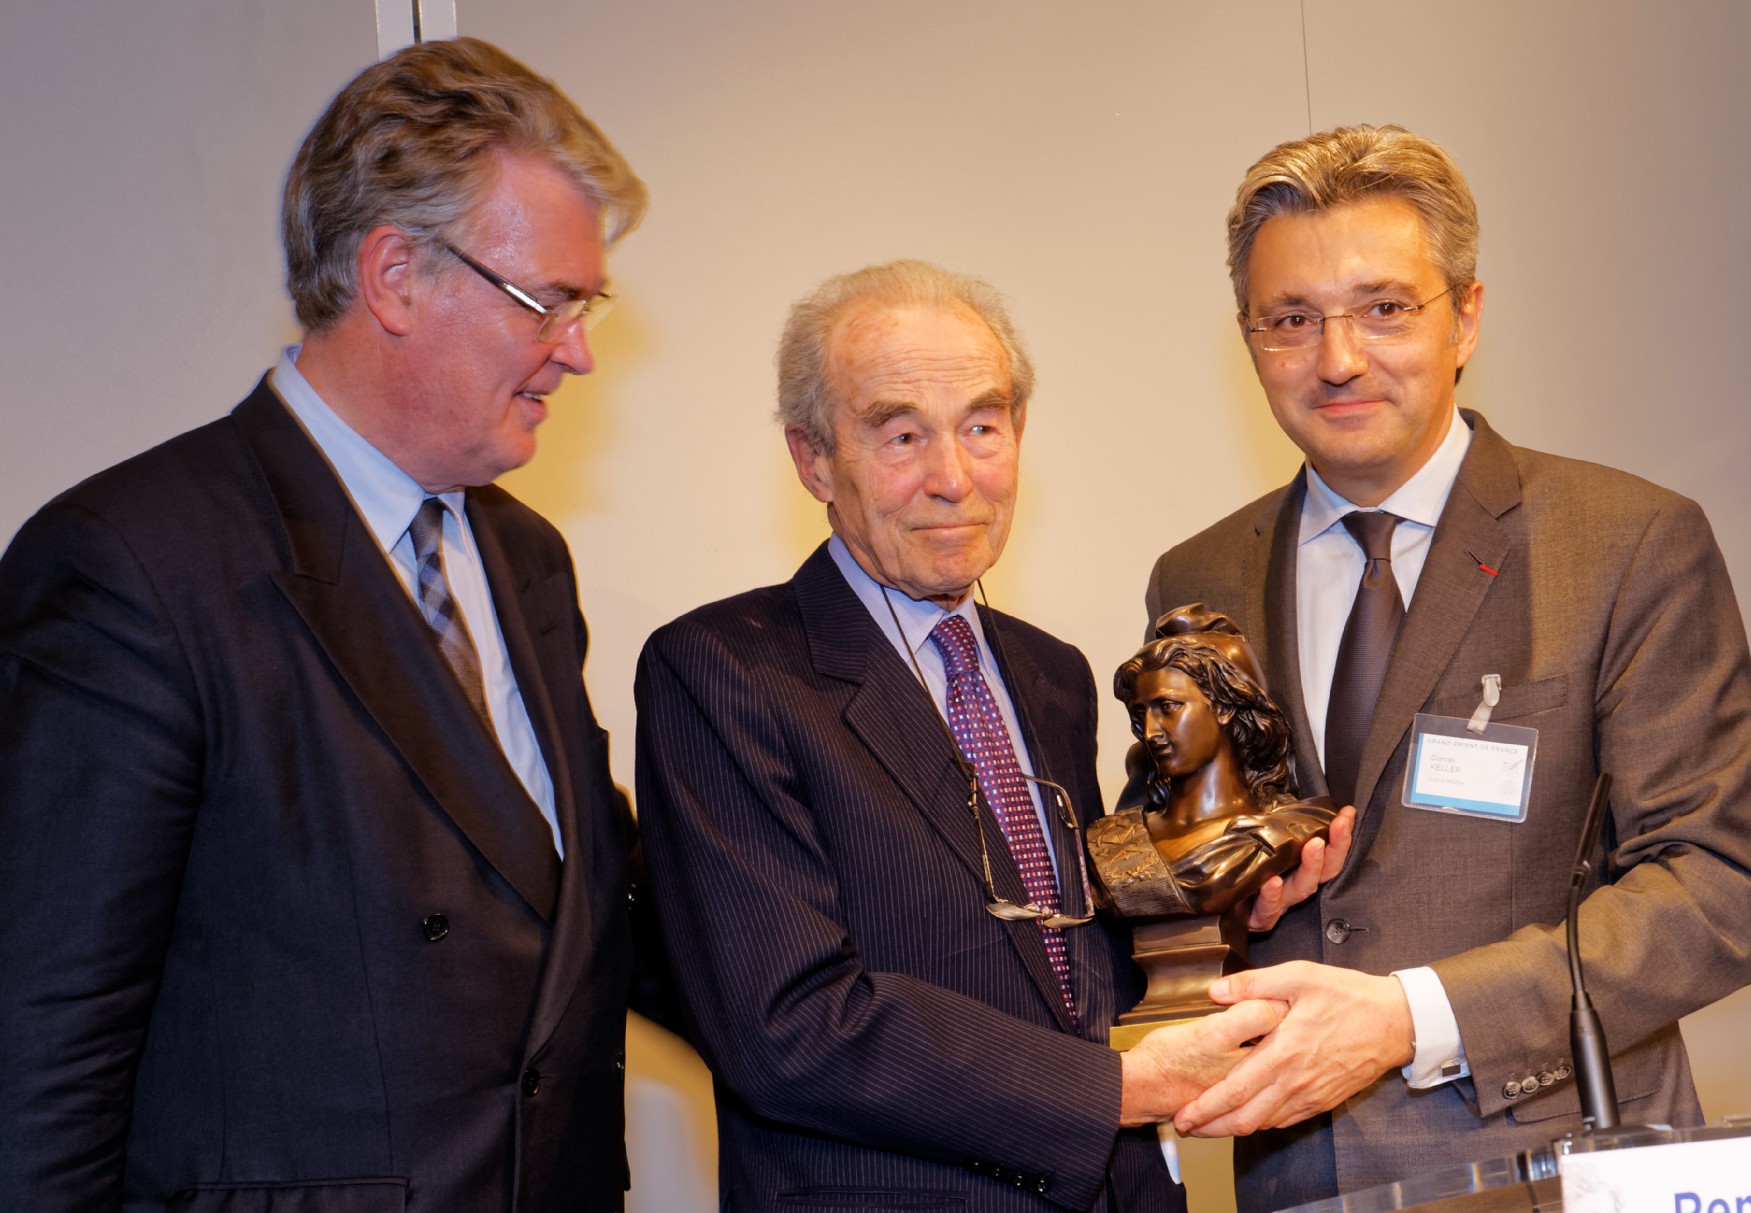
{"x": 889, "y": 712}
{"x": 1449, "y": 594}
{"x": 530, "y": 611}
{"x": 894, "y": 718}
{"x": 340, "y": 585}
{"x": 1271, "y": 588}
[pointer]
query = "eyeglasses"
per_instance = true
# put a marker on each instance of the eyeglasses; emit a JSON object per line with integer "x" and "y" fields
{"x": 554, "y": 320}
{"x": 1009, "y": 911}
{"x": 1381, "y": 320}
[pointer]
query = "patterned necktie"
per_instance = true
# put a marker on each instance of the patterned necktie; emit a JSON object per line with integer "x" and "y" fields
{"x": 435, "y": 603}
{"x": 1363, "y": 654}
{"x": 978, "y": 729}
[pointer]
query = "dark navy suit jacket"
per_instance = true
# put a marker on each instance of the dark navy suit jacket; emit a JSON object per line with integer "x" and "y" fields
{"x": 282, "y": 928}
{"x": 878, "y": 1039}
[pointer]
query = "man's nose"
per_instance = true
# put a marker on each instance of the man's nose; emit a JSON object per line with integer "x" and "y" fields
{"x": 1340, "y": 352}
{"x": 949, "y": 470}
{"x": 572, "y": 349}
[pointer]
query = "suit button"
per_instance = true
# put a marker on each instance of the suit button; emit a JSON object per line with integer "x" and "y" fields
{"x": 620, "y": 1062}
{"x": 531, "y": 1082}
{"x": 1511, "y": 1091}
{"x": 1043, "y": 1184}
{"x": 1338, "y": 930}
{"x": 1529, "y": 1084}
{"x": 435, "y": 926}
{"x": 1546, "y": 1078}
{"x": 1563, "y": 1071}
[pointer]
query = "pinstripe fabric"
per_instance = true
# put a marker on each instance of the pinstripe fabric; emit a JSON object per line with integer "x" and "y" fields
{"x": 876, "y": 1036}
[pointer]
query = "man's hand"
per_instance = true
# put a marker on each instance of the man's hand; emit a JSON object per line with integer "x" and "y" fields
{"x": 1171, "y": 1065}
{"x": 1320, "y": 861}
{"x": 1343, "y": 1030}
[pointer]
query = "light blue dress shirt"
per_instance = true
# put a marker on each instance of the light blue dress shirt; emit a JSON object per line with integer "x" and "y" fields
{"x": 387, "y": 498}
{"x": 912, "y": 642}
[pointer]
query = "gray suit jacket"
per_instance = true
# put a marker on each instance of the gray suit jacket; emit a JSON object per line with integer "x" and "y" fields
{"x": 878, "y": 1039}
{"x": 1614, "y": 627}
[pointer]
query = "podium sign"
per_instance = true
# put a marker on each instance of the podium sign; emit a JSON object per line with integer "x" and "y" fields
{"x": 1683, "y": 1177}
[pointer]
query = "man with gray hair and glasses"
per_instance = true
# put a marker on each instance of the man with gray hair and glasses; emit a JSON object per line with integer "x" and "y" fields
{"x": 1465, "y": 634}
{"x": 315, "y": 882}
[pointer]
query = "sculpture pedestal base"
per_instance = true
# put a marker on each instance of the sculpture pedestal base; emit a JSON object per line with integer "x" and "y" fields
{"x": 1180, "y": 957}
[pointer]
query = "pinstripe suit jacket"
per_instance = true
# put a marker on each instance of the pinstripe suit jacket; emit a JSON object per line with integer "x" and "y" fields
{"x": 1613, "y": 625}
{"x": 878, "y": 1039}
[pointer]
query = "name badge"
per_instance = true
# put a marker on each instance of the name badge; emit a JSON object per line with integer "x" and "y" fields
{"x": 1471, "y": 767}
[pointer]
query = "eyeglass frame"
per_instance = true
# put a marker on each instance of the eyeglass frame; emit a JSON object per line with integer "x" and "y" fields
{"x": 1001, "y": 907}
{"x": 1415, "y": 309}
{"x": 588, "y": 310}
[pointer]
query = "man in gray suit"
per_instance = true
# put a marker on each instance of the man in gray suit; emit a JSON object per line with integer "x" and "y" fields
{"x": 1597, "y": 603}
{"x": 860, "y": 793}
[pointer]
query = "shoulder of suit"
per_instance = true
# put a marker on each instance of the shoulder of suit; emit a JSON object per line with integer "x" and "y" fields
{"x": 1218, "y": 541}
{"x": 167, "y": 492}
{"x": 1561, "y": 487}
{"x": 759, "y": 617}
{"x": 1041, "y": 644}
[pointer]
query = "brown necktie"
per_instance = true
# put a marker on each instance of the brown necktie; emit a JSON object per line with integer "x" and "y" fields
{"x": 1364, "y": 653}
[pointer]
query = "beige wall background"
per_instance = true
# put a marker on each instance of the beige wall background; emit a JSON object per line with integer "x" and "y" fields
{"x": 1081, "y": 156}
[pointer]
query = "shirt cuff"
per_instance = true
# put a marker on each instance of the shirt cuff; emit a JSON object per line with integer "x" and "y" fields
{"x": 1169, "y": 1148}
{"x": 1440, "y": 1054}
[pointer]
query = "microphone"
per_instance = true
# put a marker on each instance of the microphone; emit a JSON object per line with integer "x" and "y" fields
{"x": 1586, "y": 1035}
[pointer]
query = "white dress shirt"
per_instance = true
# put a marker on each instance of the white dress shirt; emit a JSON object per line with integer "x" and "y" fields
{"x": 1328, "y": 569}
{"x": 387, "y": 498}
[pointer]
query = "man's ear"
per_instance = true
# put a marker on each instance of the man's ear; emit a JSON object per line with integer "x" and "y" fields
{"x": 385, "y": 265}
{"x": 1468, "y": 301}
{"x": 814, "y": 467}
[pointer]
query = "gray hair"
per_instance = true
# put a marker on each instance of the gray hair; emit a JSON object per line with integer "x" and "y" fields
{"x": 1351, "y": 163}
{"x": 410, "y": 141}
{"x": 805, "y": 398}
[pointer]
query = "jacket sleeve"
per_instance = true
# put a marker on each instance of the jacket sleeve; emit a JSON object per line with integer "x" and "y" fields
{"x": 1670, "y": 931}
{"x": 101, "y": 752}
{"x": 782, "y": 1006}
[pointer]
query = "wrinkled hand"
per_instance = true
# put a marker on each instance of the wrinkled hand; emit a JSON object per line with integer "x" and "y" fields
{"x": 1320, "y": 861}
{"x": 1168, "y": 1067}
{"x": 1343, "y": 1030}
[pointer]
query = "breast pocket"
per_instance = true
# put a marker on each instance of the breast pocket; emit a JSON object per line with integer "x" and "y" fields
{"x": 1516, "y": 702}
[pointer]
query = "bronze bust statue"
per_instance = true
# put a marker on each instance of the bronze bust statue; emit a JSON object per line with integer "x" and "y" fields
{"x": 1221, "y": 815}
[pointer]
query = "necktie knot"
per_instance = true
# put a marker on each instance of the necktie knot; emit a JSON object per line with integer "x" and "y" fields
{"x": 953, "y": 638}
{"x": 1373, "y": 530}
{"x": 427, "y": 529}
